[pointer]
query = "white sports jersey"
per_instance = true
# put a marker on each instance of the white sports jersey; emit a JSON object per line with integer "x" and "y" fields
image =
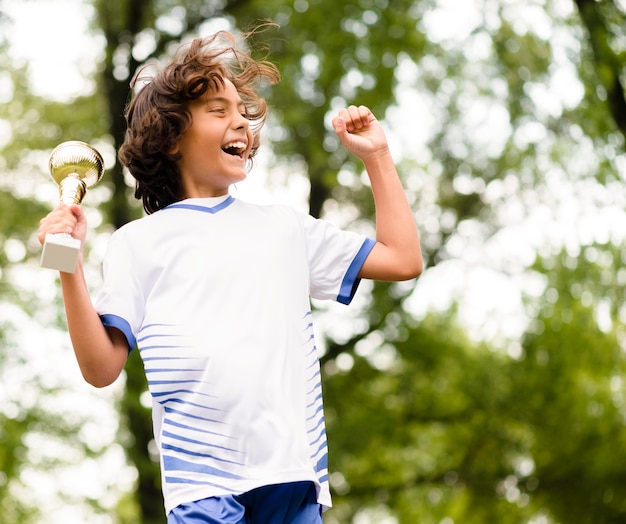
{"x": 215, "y": 295}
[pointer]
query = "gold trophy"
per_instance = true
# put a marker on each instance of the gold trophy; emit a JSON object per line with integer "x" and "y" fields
{"x": 75, "y": 166}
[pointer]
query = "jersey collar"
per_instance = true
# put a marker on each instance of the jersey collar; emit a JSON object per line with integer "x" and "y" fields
{"x": 206, "y": 205}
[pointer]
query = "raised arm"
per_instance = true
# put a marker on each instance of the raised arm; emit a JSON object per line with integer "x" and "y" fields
{"x": 397, "y": 254}
{"x": 101, "y": 352}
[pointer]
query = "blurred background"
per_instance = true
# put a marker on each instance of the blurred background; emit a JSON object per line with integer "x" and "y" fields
{"x": 491, "y": 390}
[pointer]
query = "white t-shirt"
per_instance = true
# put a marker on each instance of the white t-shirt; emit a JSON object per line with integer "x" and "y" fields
{"x": 215, "y": 293}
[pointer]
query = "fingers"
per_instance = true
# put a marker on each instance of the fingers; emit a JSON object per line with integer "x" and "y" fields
{"x": 356, "y": 118}
{"x": 62, "y": 219}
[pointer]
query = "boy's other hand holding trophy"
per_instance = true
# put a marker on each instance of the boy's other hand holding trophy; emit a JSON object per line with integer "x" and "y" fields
{"x": 75, "y": 167}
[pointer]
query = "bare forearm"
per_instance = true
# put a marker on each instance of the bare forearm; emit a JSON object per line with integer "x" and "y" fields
{"x": 396, "y": 232}
{"x": 99, "y": 359}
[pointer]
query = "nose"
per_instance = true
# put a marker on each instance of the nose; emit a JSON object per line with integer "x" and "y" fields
{"x": 240, "y": 121}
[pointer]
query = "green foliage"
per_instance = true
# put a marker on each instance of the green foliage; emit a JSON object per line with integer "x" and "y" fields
{"x": 573, "y": 370}
{"x": 354, "y": 63}
{"x": 422, "y": 433}
{"x": 425, "y": 424}
{"x": 430, "y": 425}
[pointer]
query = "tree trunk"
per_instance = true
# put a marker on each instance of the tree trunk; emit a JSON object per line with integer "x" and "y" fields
{"x": 607, "y": 64}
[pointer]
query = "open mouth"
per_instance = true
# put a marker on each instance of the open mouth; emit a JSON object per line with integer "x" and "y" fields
{"x": 237, "y": 148}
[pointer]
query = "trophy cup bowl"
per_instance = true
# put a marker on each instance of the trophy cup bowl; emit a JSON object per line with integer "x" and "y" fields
{"x": 75, "y": 166}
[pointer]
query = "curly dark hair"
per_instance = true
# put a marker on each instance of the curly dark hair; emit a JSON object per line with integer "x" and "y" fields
{"x": 158, "y": 115}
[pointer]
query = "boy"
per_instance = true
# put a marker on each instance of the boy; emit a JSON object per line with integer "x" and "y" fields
{"x": 215, "y": 293}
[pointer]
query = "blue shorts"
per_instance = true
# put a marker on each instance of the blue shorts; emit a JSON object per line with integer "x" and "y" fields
{"x": 291, "y": 503}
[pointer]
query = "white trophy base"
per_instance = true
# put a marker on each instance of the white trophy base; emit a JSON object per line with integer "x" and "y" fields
{"x": 60, "y": 252}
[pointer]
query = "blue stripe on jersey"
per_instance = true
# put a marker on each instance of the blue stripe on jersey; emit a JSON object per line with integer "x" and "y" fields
{"x": 165, "y": 397}
{"x": 175, "y": 464}
{"x": 316, "y": 399}
{"x": 154, "y": 324}
{"x": 350, "y": 281}
{"x": 194, "y": 207}
{"x": 170, "y": 370}
{"x": 193, "y": 404}
{"x": 316, "y": 430}
{"x": 316, "y": 386}
{"x": 178, "y": 480}
{"x": 170, "y": 422}
{"x": 183, "y": 451}
{"x": 322, "y": 463}
{"x": 156, "y": 335}
{"x": 174, "y": 436}
{"x": 121, "y": 324}
{"x": 316, "y": 373}
{"x": 319, "y": 423}
{"x": 319, "y": 408}
{"x": 321, "y": 447}
{"x": 188, "y": 415}
{"x": 321, "y": 435}
{"x": 314, "y": 363}
{"x": 163, "y": 382}
{"x": 177, "y": 391}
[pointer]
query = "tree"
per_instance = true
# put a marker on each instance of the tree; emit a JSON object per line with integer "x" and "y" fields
{"x": 447, "y": 427}
{"x": 43, "y": 431}
{"x": 603, "y": 23}
{"x": 570, "y": 387}
{"x": 453, "y": 429}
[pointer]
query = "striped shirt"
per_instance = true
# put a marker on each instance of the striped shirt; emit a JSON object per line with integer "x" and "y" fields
{"x": 215, "y": 294}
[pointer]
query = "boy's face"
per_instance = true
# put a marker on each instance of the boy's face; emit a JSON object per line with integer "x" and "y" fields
{"x": 216, "y": 146}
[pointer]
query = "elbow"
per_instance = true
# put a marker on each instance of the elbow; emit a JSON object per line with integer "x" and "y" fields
{"x": 98, "y": 380}
{"x": 418, "y": 268}
{"x": 392, "y": 265}
{"x": 412, "y": 265}
{"x": 97, "y": 383}
{"x": 408, "y": 269}
{"x": 413, "y": 269}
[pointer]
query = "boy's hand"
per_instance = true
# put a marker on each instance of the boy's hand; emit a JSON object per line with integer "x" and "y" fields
{"x": 64, "y": 219}
{"x": 359, "y": 131}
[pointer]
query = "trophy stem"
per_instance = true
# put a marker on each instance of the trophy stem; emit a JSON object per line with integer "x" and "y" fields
{"x": 72, "y": 189}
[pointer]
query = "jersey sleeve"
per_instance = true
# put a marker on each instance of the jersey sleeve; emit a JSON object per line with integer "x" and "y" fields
{"x": 335, "y": 258}
{"x": 120, "y": 301}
